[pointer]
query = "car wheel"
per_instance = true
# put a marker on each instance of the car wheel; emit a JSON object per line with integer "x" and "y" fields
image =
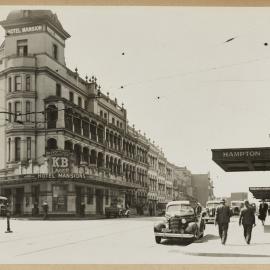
{"x": 158, "y": 239}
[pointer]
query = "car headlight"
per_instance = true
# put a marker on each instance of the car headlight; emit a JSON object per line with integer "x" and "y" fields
{"x": 184, "y": 221}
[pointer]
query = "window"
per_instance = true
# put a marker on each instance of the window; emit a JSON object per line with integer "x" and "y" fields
{"x": 28, "y": 148}
{"x": 27, "y": 83}
{"x": 9, "y": 148}
{"x": 121, "y": 125}
{"x": 59, "y": 198}
{"x": 55, "y": 51}
{"x": 101, "y": 113}
{"x": 22, "y": 48}
{"x": 18, "y": 83}
{"x": 117, "y": 123}
{"x": 90, "y": 195}
{"x": 9, "y": 111}
{"x": 9, "y": 84}
{"x": 105, "y": 115}
{"x": 17, "y": 111}
{"x": 27, "y": 111}
{"x": 113, "y": 121}
{"x": 80, "y": 101}
{"x": 17, "y": 149}
{"x": 85, "y": 104}
{"x": 71, "y": 96}
{"x": 58, "y": 90}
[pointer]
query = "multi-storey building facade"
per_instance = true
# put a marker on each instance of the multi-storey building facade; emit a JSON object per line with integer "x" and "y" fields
{"x": 67, "y": 143}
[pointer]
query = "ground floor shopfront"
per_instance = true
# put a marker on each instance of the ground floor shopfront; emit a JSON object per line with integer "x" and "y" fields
{"x": 64, "y": 197}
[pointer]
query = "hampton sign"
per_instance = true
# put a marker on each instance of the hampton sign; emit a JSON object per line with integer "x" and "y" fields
{"x": 240, "y": 154}
{"x": 26, "y": 29}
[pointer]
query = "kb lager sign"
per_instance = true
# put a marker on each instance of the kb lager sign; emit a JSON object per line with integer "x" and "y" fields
{"x": 60, "y": 161}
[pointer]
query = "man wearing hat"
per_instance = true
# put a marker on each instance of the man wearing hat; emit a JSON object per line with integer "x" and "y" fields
{"x": 247, "y": 219}
{"x": 223, "y": 214}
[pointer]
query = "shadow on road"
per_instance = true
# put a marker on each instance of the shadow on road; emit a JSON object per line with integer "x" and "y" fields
{"x": 178, "y": 242}
{"x": 207, "y": 237}
{"x": 205, "y": 254}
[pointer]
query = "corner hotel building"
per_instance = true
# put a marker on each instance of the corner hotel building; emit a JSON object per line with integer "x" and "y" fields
{"x": 66, "y": 142}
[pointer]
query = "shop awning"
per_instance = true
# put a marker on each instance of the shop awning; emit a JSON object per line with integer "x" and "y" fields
{"x": 242, "y": 159}
{"x": 260, "y": 192}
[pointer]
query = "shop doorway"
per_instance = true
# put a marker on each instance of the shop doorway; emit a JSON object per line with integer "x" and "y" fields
{"x": 99, "y": 201}
{"x": 79, "y": 197}
{"x": 19, "y": 195}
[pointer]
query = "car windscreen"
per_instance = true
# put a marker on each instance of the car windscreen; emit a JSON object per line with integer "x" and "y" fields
{"x": 180, "y": 209}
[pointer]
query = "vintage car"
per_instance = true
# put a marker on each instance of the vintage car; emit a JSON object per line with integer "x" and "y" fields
{"x": 3, "y": 205}
{"x": 180, "y": 222}
{"x": 236, "y": 207}
{"x": 211, "y": 207}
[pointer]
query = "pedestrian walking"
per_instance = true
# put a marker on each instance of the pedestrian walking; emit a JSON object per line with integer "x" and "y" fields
{"x": 247, "y": 219}
{"x": 263, "y": 211}
{"x": 223, "y": 214}
{"x": 45, "y": 209}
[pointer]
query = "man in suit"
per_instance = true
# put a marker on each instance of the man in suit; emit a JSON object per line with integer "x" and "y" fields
{"x": 223, "y": 214}
{"x": 247, "y": 219}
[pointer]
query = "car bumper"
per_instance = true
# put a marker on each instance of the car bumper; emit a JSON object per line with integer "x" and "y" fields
{"x": 173, "y": 235}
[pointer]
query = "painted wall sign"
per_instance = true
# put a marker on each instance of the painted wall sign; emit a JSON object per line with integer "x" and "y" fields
{"x": 26, "y": 29}
{"x": 56, "y": 176}
{"x": 59, "y": 161}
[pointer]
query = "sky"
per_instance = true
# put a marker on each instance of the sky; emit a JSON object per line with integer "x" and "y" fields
{"x": 183, "y": 85}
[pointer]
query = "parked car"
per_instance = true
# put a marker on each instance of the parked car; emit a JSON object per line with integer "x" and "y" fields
{"x": 181, "y": 222}
{"x": 211, "y": 207}
{"x": 3, "y": 205}
{"x": 116, "y": 211}
{"x": 236, "y": 207}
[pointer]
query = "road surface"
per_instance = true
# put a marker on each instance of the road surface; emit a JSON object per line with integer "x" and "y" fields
{"x": 123, "y": 241}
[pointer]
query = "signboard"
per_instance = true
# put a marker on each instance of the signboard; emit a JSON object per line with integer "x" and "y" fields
{"x": 59, "y": 161}
{"x": 70, "y": 176}
{"x": 26, "y": 29}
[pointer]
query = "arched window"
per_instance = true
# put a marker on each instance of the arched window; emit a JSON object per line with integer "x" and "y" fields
{"x": 17, "y": 149}
{"x": 77, "y": 152}
{"x": 93, "y": 130}
{"x": 93, "y": 157}
{"x": 52, "y": 116}
{"x": 100, "y": 133}
{"x": 68, "y": 145}
{"x": 68, "y": 119}
{"x": 86, "y": 155}
{"x": 107, "y": 162}
{"x": 100, "y": 160}
{"x": 51, "y": 144}
{"x": 77, "y": 124}
{"x": 111, "y": 164}
{"x": 9, "y": 149}
{"x": 85, "y": 127}
{"x": 28, "y": 83}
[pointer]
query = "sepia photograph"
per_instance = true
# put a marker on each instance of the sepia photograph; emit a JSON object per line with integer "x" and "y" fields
{"x": 134, "y": 135}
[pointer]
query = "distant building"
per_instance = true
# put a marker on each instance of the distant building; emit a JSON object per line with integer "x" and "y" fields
{"x": 239, "y": 196}
{"x": 202, "y": 187}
